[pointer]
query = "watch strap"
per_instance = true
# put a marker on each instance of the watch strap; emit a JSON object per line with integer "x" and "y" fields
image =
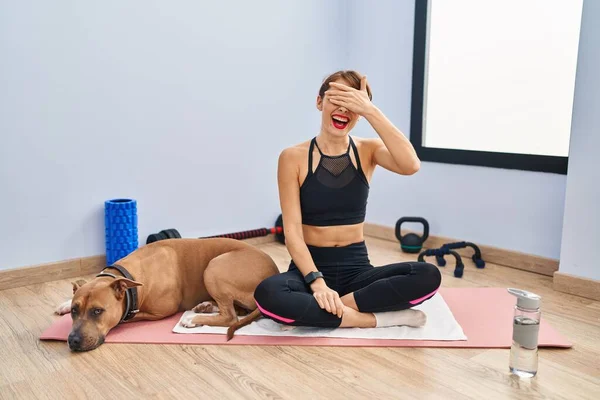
{"x": 312, "y": 276}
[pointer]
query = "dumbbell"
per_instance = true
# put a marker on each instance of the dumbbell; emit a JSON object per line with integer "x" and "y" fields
{"x": 162, "y": 235}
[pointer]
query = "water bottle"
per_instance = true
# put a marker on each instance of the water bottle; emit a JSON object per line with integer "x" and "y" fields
{"x": 526, "y": 327}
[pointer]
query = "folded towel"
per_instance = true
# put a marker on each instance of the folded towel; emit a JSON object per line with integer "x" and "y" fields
{"x": 441, "y": 325}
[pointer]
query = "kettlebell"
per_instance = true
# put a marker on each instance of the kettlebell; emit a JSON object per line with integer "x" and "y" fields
{"x": 411, "y": 242}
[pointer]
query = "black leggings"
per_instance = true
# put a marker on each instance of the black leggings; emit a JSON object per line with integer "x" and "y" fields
{"x": 287, "y": 299}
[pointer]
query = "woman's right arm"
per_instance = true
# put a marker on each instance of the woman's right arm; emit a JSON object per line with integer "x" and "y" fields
{"x": 289, "y": 197}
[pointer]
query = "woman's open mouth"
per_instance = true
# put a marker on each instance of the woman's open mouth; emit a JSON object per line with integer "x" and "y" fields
{"x": 340, "y": 121}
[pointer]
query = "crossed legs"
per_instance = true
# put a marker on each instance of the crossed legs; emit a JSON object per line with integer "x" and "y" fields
{"x": 373, "y": 296}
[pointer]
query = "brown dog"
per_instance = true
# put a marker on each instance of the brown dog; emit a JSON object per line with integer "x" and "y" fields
{"x": 166, "y": 277}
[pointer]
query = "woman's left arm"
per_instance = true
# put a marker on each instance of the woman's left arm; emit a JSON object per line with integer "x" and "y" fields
{"x": 393, "y": 151}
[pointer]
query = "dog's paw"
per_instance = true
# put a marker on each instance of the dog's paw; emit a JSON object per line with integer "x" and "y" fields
{"x": 188, "y": 322}
{"x": 206, "y": 307}
{"x": 64, "y": 308}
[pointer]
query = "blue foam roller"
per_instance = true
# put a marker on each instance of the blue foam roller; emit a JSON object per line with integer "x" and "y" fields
{"x": 120, "y": 228}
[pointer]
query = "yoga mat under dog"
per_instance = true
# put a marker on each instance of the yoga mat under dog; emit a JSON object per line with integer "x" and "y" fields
{"x": 485, "y": 315}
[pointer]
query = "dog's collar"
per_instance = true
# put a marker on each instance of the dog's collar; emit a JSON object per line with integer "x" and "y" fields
{"x": 131, "y": 293}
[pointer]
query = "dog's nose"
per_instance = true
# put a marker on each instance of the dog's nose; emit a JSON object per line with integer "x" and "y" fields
{"x": 74, "y": 340}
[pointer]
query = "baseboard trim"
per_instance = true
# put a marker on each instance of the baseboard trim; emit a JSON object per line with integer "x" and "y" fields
{"x": 508, "y": 258}
{"x": 24, "y": 276}
{"x": 17, "y": 277}
{"x": 576, "y": 285}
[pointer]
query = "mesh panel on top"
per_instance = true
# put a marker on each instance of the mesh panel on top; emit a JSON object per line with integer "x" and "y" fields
{"x": 335, "y": 172}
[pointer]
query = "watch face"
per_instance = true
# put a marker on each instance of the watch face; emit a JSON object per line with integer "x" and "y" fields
{"x": 312, "y": 276}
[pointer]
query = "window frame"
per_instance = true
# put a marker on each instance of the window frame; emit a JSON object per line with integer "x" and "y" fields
{"x": 526, "y": 162}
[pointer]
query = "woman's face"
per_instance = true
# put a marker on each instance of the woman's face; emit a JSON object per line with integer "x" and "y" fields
{"x": 336, "y": 120}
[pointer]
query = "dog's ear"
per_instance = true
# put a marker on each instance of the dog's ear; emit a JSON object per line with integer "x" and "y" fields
{"x": 77, "y": 284}
{"x": 120, "y": 285}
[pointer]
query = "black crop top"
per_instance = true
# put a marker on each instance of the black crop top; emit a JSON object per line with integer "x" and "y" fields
{"x": 336, "y": 192}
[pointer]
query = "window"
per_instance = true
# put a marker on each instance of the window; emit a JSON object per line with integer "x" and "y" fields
{"x": 493, "y": 82}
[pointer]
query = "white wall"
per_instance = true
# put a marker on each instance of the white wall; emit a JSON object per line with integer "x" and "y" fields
{"x": 510, "y": 209}
{"x": 581, "y": 233}
{"x": 183, "y": 106}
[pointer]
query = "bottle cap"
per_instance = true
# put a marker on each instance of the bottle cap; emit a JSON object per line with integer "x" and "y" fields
{"x": 525, "y": 299}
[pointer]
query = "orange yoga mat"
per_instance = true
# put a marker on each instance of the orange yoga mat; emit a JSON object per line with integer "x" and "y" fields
{"x": 485, "y": 315}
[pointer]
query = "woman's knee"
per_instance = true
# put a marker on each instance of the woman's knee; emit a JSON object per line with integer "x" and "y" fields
{"x": 272, "y": 297}
{"x": 429, "y": 281}
{"x": 263, "y": 294}
{"x": 430, "y": 275}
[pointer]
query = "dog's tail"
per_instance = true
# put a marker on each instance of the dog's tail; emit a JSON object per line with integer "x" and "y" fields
{"x": 254, "y": 315}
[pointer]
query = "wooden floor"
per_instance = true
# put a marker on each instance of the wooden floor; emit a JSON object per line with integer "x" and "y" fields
{"x": 30, "y": 368}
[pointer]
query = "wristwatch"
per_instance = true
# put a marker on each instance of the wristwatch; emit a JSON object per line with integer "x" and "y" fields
{"x": 312, "y": 276}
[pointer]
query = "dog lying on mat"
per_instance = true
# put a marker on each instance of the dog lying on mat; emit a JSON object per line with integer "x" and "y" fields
{"x": 169, "y": 276}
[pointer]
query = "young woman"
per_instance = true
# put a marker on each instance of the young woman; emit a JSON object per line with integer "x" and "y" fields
{"x": 323, "y": 190}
